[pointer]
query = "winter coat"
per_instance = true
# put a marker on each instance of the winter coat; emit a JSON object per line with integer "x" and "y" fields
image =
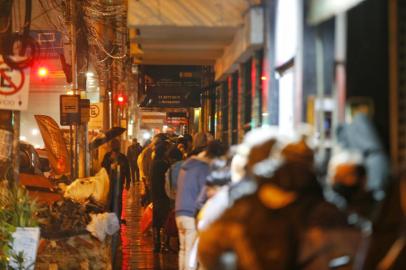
{"x": 118, "y": 179}
{"x": 191, "y": 180}
{"x": 171, "y": 179}
{"x": 159, "y": 199}
{"x": 144, "y": 164}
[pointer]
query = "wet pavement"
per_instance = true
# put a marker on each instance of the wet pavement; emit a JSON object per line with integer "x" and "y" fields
{"x": 137, "y": 249}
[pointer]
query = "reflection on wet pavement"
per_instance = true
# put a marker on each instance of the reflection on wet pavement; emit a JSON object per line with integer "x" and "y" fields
{"x": 137, "y": 248}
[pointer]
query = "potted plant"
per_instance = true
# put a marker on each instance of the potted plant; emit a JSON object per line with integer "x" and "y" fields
{"x": 19, "y": 231}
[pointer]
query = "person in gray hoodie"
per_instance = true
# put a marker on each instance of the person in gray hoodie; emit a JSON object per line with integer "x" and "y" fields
{"x": 191, "y": 180}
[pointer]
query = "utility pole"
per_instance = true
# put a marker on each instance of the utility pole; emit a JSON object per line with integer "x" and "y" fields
{"x": 74, "y": 82}
{"x": 81, "y": 141}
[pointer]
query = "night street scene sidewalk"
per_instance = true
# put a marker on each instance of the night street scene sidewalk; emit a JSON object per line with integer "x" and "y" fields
{"x": 203, "y": 135}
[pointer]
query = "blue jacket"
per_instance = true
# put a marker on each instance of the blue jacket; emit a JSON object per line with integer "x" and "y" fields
{"x": 191, "y": 180}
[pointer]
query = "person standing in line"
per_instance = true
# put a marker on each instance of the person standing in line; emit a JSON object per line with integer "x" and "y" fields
{"x": 133, "y": 151}
{"x": 188, "y": 141}
{"x": 175, "y": 157}
{"x": 118, "y": 169}
{"x": 160, "y": 200}
{"x": 191, "y": 180}
{"x": 144, "y": 164}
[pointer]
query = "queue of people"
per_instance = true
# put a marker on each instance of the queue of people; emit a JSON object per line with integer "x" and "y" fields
{"x": 270, "y": 203}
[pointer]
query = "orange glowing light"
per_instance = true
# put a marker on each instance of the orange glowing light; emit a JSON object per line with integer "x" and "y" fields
{"x": 42, "y": 72}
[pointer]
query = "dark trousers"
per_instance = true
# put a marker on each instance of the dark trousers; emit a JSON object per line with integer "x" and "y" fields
{"x": 135, "y": 173}
{"x": 116, "y": 195}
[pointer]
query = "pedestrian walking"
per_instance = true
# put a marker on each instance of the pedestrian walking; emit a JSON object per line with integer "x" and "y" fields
{"x": 133, "y": 151}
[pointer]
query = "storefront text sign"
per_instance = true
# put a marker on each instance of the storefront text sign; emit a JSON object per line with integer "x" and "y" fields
{"x": 70, "y": 109}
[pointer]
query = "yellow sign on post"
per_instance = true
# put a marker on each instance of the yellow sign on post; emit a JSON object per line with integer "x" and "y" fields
{"x": 96, "y": 116}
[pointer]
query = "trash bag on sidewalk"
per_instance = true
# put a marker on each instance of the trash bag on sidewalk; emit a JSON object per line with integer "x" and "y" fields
{"x": 103, "y": 224}
{"x": 96, "y": 186}
{"x": 146, "y": 219}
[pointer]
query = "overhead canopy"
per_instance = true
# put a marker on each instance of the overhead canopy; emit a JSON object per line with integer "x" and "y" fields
{"x": 322, "y": 10}
{"x": 186, "y": 32}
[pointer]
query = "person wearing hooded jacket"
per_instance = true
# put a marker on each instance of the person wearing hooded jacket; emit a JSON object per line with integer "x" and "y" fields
{"x": 191, "y": 180}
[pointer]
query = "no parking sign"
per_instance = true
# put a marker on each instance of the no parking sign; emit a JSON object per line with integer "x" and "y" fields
{"x": 14, "y": 86}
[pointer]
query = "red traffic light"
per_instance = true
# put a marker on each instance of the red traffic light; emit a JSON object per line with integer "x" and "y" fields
{"x": 121, "y": 99}
{"x": 42, "y": 72}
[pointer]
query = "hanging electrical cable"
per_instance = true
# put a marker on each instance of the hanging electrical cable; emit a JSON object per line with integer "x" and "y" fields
{"x": 30, "y": 48}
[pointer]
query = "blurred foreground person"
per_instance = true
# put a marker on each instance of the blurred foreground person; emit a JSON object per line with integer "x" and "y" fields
{"x": 347, "y": 178}
{"x": 286, "y": 224}
{"x": 360, "y": 135}
{"x": 385, "y": 249}
{"x": 116, "y": 165}
{"x": 256, "y": 147}
{"x": 192, "y": 178}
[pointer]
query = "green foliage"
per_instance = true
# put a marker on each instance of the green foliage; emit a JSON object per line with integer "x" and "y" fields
{"x": 17, "y": 209}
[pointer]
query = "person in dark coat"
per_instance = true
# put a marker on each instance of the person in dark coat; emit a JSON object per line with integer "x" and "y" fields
{"x": 133, "y": 151}
{"x": 160, "y": 201}
{"x": 118, "y": 169}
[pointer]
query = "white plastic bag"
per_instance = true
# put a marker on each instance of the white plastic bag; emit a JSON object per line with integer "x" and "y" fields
{"x": 103, "y": 224}
{"x": 96, "y": 186}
